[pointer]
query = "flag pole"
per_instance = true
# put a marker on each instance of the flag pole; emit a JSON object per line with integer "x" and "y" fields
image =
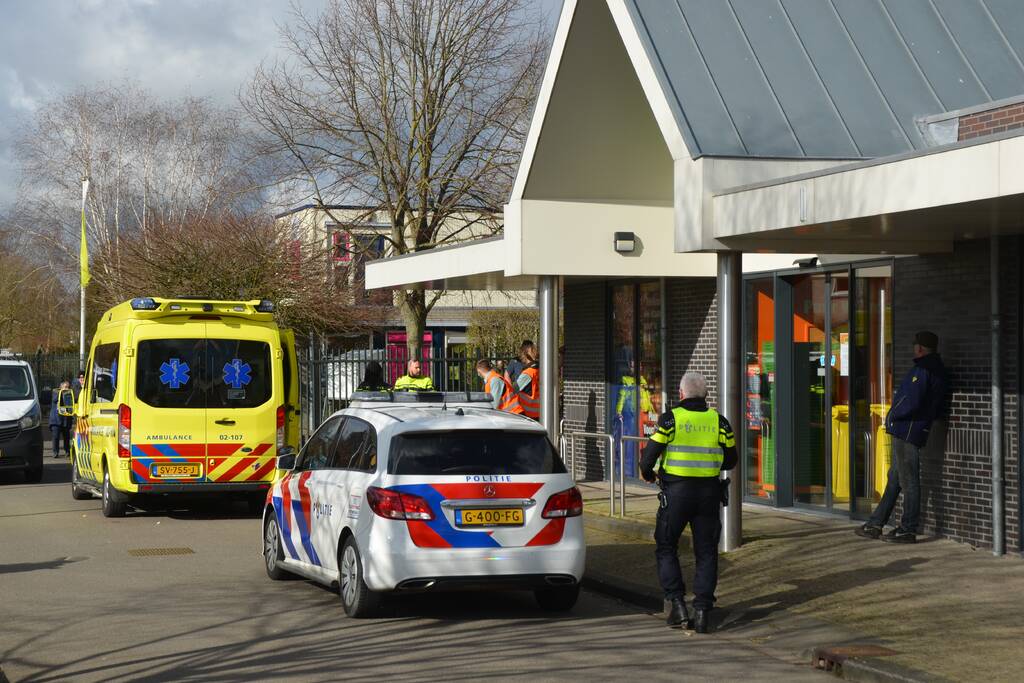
{"x": 83, "y": 271}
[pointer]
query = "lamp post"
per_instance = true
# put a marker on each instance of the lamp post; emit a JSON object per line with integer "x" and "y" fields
{"x": 83, "y": 268}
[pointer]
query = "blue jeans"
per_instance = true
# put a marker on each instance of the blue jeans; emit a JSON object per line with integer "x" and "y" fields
{"x": 905, "y": 476}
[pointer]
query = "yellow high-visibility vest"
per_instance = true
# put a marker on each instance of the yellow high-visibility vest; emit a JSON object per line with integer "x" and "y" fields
{"x": 694, "y": 446}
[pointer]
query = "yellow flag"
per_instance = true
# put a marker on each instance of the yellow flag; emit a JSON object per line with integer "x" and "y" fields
{"x": 83, "y": 255}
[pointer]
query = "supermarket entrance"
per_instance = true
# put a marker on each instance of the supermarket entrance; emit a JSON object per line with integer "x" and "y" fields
{"x": 818, "y": 359}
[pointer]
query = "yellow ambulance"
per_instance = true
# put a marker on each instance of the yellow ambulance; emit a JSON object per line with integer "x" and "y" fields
{"x": 184, "y": 396}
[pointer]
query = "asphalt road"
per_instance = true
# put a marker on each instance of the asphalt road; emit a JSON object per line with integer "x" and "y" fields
{"x": 76, "y": 605}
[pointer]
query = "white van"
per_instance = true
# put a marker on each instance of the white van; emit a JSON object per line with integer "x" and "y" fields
{"x": 21, "y": 420}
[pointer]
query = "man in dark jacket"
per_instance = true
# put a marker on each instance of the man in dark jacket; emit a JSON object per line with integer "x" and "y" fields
{"x": 919, "y": 400}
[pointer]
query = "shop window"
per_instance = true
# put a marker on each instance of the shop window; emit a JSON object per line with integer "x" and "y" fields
{"x": 759, "y": 388}
{"x": 635, "y": 382}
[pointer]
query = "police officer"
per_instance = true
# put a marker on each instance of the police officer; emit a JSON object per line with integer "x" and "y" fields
{"x": 690, "y": 447}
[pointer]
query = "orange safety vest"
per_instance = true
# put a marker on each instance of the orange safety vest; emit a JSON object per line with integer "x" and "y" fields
{"x": 530, "y": 402}
{"x": 508, "y": 402}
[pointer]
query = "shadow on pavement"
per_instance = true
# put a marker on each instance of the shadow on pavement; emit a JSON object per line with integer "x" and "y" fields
{"x": 34, "y": 566}
{"x": 806, "y": 590}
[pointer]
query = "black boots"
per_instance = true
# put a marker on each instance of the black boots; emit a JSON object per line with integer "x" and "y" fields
{"x": 700, "y": 620}
{"x": 677, "y": 614}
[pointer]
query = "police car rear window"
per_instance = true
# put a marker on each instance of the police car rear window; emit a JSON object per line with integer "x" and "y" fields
{"x": 472, "y": 452}
{"x": 203, "y": 373}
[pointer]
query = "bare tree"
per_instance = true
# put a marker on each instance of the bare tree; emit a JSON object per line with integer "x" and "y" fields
{"x": 35, "y": 307}
{"x": 414, "y": 108}
{"x": 231, "y": 255}
{"x": 148, "y": 160}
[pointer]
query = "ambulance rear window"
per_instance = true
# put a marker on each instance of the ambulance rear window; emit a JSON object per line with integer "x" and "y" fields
{"x": 241, "y": 373}
{"x": 203, "y": 373}
{"x": 473, "y": 452}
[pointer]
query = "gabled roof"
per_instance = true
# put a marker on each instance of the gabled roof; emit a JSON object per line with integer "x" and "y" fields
{"x": 840, "y": 79}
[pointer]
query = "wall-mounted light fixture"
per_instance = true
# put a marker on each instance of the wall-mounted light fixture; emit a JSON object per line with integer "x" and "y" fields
{"x": 625, "y": 242}
{"x": 809, "y": 262}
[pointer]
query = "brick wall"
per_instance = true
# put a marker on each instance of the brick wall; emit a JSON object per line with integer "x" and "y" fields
{"x": 949, "y": 294}
{"x": 992, "y": 121}
{"x": 692, "y": 332}
{"x": 583, "y": 374}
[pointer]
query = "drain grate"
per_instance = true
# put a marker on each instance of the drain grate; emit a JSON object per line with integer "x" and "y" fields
{"x": 150, "y": 552}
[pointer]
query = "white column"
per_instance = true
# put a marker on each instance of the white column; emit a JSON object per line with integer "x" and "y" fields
{"x": 547, "y": 295}
{"x": 730, "y": 341}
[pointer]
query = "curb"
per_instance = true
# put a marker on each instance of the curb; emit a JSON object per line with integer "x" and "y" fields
{"x": 868, "y": 669}
{"x": 622, "y": 589}
{"x": 641, "y": 531}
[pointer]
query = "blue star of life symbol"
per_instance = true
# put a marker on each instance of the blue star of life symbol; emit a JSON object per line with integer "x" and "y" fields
{"x": 237, "y": 373}
{"x": 174, "y": 373}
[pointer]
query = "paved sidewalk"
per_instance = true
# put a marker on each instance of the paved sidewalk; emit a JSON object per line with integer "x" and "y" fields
{"x": 803, "y": 581}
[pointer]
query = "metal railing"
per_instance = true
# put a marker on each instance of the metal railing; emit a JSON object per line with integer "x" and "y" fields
{"x": 570, "y": 439}
{"x": 622, "y": 468}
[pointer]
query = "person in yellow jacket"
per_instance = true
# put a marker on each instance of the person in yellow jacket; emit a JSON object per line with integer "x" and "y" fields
{"x": 626, "y": 413}
{"x": 413, "y": 379}
{"x": 692, "y": 445}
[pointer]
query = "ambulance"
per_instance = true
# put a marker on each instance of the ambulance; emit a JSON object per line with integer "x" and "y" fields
{"x": 184, "y": 396}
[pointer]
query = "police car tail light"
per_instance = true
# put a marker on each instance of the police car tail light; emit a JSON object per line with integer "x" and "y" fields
{"x": 280, "y": 428}
{"x": 124, "y": 431}
{"x": 567, "y": 503}
{"x": 397, "y": 505}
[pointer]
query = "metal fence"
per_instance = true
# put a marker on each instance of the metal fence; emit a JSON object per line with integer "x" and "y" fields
{"x": 327, "y": 381}
{"x": 50, "y": 369}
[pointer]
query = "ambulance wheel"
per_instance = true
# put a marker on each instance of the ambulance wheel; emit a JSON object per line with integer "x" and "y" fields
{"x": 111, "y": 507}
{"x": 76, "y": 492}
{"x": 254, "y": 503}
{"x": 273, "y": 553}
{"x": 560, "y": 599}
{"x": 357, "y": 599}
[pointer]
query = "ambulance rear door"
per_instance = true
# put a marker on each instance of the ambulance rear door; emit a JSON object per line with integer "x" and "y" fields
{"x": 244, "y": 402}
{"x": 168, "y": 403}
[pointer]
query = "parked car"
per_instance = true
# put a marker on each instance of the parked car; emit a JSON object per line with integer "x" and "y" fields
{"x": 426, "y": 492}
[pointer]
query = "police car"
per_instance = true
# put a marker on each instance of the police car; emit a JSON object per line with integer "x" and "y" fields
{"x": 425, "y": 492}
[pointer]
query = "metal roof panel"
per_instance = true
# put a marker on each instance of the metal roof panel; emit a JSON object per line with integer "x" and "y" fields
{"x": 985, "y": 45}
{"x": 791, "y": 75}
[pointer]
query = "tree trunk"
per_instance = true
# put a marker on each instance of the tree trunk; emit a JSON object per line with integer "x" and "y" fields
{"x": 414, "y": 312}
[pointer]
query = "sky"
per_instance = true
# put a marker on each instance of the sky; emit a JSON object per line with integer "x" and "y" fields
{"x": 205, "y": 48}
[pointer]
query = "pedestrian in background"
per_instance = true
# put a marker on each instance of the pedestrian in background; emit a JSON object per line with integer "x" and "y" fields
{"x": 413, "y": 379}
{"x": 60, "y": 418}
{"x": 373, "y": 378}
{"x": 691, "y": 447}
{"x": 918, "y": 401}
{"x": 527, "y": 384}
{"x": 516, "y": 365}
{"x": 78, "y": 385}
{"x": 502, "y": 395}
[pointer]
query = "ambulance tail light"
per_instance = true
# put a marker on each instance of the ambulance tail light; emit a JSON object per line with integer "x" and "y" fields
{"x": 397, "y": 505}
{"x": 124, "y": 431}
{"x": 567, "y": 503}
{"x": 280, "y": 428}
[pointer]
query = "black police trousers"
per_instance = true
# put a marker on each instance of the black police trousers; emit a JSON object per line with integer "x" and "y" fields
{"x": 695, "y": 502}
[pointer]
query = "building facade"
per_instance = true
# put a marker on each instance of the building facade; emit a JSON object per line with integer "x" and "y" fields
{"x": 802, "y": 186}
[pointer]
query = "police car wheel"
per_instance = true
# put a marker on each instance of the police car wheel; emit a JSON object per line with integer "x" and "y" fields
{"x": 273, "y": 553}
{"x": 76, "y": 492}
{"x": 357, "y": 600}
{"x": 111, "y": 507}
{"x": 560, "y": 599}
